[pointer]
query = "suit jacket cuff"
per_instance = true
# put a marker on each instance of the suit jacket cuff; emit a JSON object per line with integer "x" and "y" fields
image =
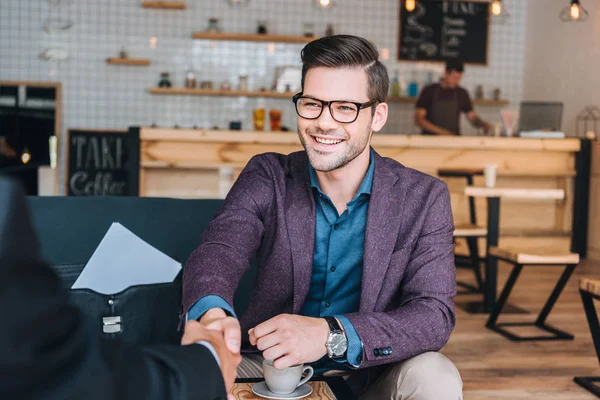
{"x": 205, "y": 304}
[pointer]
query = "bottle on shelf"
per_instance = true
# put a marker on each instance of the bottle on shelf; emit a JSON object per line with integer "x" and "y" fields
{"x": 413, "y": 86}
{"x": 395, "y": 92}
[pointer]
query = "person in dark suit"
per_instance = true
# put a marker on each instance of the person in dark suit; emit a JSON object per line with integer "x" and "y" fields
{"x": 48, "y": 352}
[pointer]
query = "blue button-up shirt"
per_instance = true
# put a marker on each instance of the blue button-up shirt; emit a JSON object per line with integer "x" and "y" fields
{"x": 335, "y": 286}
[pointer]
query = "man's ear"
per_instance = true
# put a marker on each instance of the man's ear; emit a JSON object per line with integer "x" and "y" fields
{"x": 380, "y": 117}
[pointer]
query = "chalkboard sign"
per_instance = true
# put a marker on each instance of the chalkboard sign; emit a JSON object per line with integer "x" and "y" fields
{"x": 440, "y": 30}
{"x": 103, "y": 162}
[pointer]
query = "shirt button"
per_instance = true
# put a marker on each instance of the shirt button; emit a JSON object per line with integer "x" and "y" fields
{"x": 327, "y": 304}
{"x": 332, "y": 269}
{"x": 335, "y": 226}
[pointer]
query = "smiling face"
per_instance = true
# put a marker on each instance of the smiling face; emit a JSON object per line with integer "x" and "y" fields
{"x": 331, "y": 145}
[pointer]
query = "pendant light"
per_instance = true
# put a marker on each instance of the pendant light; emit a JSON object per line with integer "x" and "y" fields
{"x": 410, "y": 5}
{"x": 323, "y": 3}
{"x": 499, "y": 10}
{"x": 574, "y": 12}
{"x": 26, "y": 156}
{"x": 496, "y": 8}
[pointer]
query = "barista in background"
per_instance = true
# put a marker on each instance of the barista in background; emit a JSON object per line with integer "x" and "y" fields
{"x": 440, "y": 104}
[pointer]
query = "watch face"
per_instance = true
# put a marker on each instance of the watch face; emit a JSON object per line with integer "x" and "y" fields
{"x": 338, "y": 344}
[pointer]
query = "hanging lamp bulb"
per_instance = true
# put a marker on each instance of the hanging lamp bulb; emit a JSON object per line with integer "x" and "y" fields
{"x": 574, "y": 12}
{"x": 496, "y": 7}
{"x": 26, "y": 156}
{"x": 410, "y": 5}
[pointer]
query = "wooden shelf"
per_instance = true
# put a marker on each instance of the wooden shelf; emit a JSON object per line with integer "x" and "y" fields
{"x": 165, "y": 5}
{"x": 191, "y": 165}
{"x": 212, "y": 92}
{"x": 477, "y": 102}
{"x": 278, "y": 95}
{"x": 128, "y": 61}
{"x": 249, "y": 37}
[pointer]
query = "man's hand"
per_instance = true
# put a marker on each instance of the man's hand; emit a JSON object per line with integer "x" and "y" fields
{"x": 486, "y": 127}
{"x": 291, "y": 339}
{"x": 195, "y": 332}
{"x": 215, "y": 319}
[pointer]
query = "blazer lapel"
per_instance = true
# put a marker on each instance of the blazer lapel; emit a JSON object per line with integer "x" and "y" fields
{"x": 300, "y": 220}
{"x": 383, "y": 225}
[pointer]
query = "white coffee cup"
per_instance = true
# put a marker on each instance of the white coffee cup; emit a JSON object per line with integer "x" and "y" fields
{"x": 285, "y": 381}
{"x": 489, "y": 173}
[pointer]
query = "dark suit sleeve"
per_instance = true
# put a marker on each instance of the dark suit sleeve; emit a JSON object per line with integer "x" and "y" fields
{"x": 48, "y": 352}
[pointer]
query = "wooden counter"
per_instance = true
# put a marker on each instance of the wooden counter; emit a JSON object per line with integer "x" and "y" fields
{"x": 197, "y": 164}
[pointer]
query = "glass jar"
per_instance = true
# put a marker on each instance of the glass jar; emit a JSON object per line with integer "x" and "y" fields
{"x": 190, "y": 79}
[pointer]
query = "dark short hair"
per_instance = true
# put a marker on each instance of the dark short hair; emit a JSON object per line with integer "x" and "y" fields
{"x": 455, "y": 65}
{"x": 339, "y": 51}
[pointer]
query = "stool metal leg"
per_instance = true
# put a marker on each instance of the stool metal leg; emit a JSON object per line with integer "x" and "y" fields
{"x": 540, "y": 322}
{"x": 564, "y": 278}
{"x": 587, "y": 382}
{"x": 475, "y": 260}
{"x": 510, "y": 283}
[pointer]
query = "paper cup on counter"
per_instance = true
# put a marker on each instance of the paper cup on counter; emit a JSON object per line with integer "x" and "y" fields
{"x": 489, "y": 173}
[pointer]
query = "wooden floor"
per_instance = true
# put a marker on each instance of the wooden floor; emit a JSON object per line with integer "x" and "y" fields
{"x": 493, "y": 367}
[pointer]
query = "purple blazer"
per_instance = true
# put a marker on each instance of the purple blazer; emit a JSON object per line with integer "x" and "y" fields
{"x": 408, "y": 282}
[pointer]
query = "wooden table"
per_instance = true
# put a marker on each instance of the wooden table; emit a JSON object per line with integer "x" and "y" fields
{"x": 323, "y": 389}
{"x": 493, "y": 196}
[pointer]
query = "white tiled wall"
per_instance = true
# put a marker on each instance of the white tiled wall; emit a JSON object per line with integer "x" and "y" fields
{"x": 566, "y": 70}
{"x": 97, "y": 95}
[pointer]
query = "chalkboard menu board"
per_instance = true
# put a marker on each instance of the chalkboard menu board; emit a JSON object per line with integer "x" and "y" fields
{"x": 103, "y": 162}
{"x": 440, "y": 30}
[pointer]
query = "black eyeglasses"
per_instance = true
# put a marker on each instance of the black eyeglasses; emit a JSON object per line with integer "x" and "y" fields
{"x": 344, "y": 112}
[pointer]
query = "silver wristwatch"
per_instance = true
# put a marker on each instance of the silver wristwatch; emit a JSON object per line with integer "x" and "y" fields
{"x": 337, "y": 343}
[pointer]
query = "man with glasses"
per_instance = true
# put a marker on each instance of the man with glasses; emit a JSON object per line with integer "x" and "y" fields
{"x": 354, "y": 251}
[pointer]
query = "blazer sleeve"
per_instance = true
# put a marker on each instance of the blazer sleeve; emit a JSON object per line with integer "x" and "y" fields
{"x": 424, "y": 317}
{"x": 48, "y": 351}
{"x": 231, "y": 239}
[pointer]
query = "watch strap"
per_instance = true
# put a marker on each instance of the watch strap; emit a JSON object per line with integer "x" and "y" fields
{"x": 334, "y": 325}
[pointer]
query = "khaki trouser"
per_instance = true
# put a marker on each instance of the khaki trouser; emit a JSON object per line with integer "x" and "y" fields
{"x": 428, "y": 376}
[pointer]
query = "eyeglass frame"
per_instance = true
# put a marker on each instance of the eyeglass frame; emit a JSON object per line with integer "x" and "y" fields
{"x": 359, "y": 106}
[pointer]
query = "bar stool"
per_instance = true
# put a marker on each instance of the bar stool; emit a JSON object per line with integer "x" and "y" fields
{"x": 493, "y": 197}
{"x": 589, "y": 289}
{"x": 471, "y": 232}
{"x": 520, "y": 260}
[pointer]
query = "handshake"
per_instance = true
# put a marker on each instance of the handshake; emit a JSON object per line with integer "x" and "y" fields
{"x": 287, "y": 339}
{"x": 225, "y": 341}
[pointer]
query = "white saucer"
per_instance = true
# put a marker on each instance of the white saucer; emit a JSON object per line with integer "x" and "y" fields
{"x": 261, "y": 389}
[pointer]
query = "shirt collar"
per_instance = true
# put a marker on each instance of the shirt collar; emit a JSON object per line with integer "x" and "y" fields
{"x": 365, "y": 185}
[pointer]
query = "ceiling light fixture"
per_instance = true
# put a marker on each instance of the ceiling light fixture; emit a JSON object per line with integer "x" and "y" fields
{"x": 574, "y": 12}
{"x": 496, "y": 7}
{"x": 323, "y": 3}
